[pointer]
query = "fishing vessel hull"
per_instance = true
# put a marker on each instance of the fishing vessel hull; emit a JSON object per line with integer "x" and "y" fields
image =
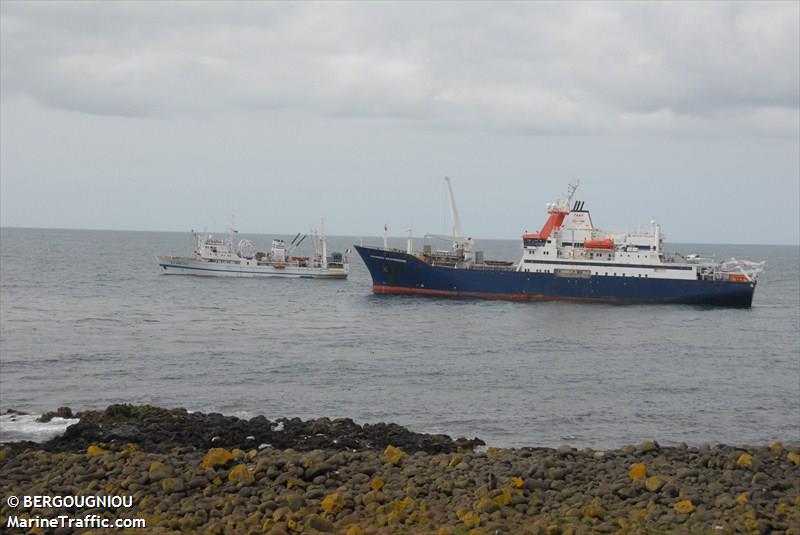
{"x": 396, "y": 272}
{"x": 169, "y": 265}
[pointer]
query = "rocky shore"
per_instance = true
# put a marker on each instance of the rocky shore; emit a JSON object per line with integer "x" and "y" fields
{"x": 215, "y": 474}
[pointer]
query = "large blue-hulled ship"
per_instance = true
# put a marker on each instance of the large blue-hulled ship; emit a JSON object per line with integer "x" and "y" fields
{"x": 568, "y": 259}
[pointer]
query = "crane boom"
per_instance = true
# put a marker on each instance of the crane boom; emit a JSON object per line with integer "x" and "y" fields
{"x": 458, "y": 234}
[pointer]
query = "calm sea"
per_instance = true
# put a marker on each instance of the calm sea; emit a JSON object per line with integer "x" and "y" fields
{"x": 86, "y": 320}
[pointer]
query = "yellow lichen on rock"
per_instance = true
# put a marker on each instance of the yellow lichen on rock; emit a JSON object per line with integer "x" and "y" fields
{"x": 794, "y": 457}
{"x": 742, "y": 499}
{"x": 485, "y": 505}
{"x": 745, "y": 460}
{"x": 594, "y": 510}
{"x": 333, "y": 503}
{"x": 653, "y": 483}
{"x": 776, "y": 447}
{"x": 216, "y": 457}
{"x": 517, "y": 482}
{"x": 456, "y": 459}
{"x": 502, "y": 496}
{"x": 95, "y": 451}
{"x": 377, "y": 483}
{"x": 684, "y": 507}
{"x": 393, "y": 455}
{"x": 355, "y": 530}
{"x": 638, "y": 471}
{"x": 471, "y": 519}
{"x": 241, "y": 474}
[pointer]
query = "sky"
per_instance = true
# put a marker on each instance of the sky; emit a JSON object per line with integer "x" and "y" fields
{"x": 171, "y": 116}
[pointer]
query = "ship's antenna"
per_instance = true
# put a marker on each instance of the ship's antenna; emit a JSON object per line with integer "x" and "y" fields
{"x": 385, "y": 236}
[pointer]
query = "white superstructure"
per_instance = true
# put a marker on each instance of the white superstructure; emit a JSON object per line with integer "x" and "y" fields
{"x": 571, "y": 245}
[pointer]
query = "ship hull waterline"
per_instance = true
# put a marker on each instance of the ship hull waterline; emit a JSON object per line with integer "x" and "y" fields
{"x": 396, "y": 272}
{"x": 207, "y": 269}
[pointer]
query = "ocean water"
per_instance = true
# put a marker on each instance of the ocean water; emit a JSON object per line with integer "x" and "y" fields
{"x": 86, "y": 320}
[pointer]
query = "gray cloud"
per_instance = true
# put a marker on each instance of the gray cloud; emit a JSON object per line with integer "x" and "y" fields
{"x": 527, "y": 68}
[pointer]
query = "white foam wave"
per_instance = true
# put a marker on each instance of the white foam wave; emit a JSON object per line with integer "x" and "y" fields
{"x": 15, "y": 427}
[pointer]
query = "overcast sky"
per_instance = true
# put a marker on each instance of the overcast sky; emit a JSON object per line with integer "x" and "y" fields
{"x": 159, "y": 116}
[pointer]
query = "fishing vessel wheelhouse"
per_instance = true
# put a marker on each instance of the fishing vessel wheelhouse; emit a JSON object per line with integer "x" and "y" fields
{"x": 568, "y": 259}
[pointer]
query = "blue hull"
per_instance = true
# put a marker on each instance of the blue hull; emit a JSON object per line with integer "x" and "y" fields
{"x": 399, "y": 273}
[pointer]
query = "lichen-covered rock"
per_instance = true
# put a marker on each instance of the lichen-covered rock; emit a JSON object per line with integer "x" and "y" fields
{"x": 393, "y": 455}
{"x": 637, "y": 471}
{"x": 241, "y": 474}
{"x": 333, "y": 503}
{"x": 216, "y": 457}
{"x": 95, "y": 451}
{"x": 485, "y": 505}
{"x": 684, "y": 507}
{"x": 653, "y": 483}
{"x": 377, "y": 483}
{"x": 745, "y": 460}
{"x": 594, "y": 510}
{"x": 471, "y": 519}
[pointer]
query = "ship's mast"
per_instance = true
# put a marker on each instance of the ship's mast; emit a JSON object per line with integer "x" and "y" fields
{"x": 324, "y": 244}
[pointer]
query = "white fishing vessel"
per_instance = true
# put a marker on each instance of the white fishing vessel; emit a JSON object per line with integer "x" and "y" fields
{"x": 224, "y": 257}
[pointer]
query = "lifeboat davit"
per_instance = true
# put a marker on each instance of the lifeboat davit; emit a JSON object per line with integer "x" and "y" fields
{"x": 599, "y": 244}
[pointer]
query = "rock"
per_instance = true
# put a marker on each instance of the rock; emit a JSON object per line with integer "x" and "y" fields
{"x": 333, "y": 503}
{"x": 684, "y": 507}
{"x": 594, "y": 510}
{"x": 745, "y": 460}
{"x": 318, "y": 469}
{"x": 648, "y": 445}
{"x": 241, "y": 474}
{"x": 456, "y": 459}
{"x": 373, "y": 496}
{"x": 793, "y": 457}
{"x": 653, "y": 483}
{"x": 172, "y": 484}
{"x": 637, "y": 471}
{"x": 377, "y": 483}
{"x": 393, "y": 455}
{"x": 61, "y": 412}
{"x": 95, "y": 451}
{"x": 216, "y": 457}
{"x": 471, "y": 519}
{"x": 776, "y": 447}
{"x": 485, "y": 505}
{"x": 318, "y": 523}
{"x": 158, "y": 471}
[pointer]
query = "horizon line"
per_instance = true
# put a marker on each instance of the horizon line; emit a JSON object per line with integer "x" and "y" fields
{"x": 3, "y": 227}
